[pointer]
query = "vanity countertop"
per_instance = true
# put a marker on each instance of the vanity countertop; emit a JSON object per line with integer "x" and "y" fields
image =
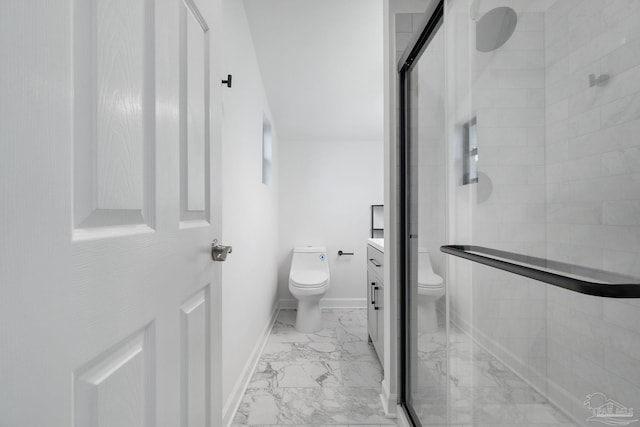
{"x": 377, "y": 243}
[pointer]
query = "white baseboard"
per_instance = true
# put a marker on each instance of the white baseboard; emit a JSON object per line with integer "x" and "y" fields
{"x": 290, "y": 304}
{"x": 233, "y": 401}
{"x": 553, "y": 389}
{"x": 389, "y": 401}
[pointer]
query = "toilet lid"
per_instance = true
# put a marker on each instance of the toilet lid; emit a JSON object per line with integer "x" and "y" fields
{"x": 309, "y": 279}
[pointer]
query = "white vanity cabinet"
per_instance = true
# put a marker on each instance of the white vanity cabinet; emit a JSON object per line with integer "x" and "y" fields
{"x": 375, "y": 299}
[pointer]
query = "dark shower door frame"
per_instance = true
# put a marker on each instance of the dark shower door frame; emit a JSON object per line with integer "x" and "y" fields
{"x": 405, "y": 66}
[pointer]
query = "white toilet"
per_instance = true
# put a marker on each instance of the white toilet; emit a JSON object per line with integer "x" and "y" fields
{"x": 308, "y": 282}
{"x": 430, "y": 289}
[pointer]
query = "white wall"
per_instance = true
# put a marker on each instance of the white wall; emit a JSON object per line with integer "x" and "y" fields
{"x": 321, "y": 62}
{"x": 250, "y": 209}
{"x": 326, "y": 191}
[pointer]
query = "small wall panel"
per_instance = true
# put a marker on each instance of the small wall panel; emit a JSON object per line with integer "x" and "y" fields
{"x": 195, "y": 339}
{"x": 114, "y": 113}
{"x": 194, "y": 123}
{"x": 115, "y": 389}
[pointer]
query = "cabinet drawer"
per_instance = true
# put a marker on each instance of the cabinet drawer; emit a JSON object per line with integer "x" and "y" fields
{"x": 375, "y": 259}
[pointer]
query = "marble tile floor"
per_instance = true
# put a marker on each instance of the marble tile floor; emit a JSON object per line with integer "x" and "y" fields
{"x": 328, "y": 378}
{"x": 482, "y": 391}
{"x": 332, "y": 378}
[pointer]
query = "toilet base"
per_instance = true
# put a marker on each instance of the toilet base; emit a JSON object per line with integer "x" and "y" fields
{"x": 427, "y": 316}
{"x": 309, "y": 317}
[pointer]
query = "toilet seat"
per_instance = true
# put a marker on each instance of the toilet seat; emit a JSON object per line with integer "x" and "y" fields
{"x": 431, "y": 285}
{"x": 430, "y": 281}
{"x": 309, "y": 279}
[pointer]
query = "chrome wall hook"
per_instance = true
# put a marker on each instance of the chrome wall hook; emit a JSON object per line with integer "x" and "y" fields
{"x": 601, "y": 80}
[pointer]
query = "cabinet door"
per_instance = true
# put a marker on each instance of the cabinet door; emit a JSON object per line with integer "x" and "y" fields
{"x": 372, "y": 314}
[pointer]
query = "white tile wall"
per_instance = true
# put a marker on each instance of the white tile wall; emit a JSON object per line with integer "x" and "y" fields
{"x": 593, "y": 197}
{"x": 564, "y": 161}
{"x": 508, "y": 100}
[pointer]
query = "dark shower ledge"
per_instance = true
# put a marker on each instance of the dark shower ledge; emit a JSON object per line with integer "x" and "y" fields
{"x": 585, "y": 280}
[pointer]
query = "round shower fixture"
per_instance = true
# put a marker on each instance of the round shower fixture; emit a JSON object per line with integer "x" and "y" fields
{"x": 495, "y": 28}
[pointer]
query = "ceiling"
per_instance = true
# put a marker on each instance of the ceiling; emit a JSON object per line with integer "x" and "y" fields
{"x": 322, "y": 68}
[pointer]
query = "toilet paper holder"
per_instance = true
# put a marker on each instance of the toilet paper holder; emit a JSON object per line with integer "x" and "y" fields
{"x": 341, "y": 252}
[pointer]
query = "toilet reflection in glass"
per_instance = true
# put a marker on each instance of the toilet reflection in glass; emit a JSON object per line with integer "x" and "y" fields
{"x": 431, "y": 288}
{"x": 308, "y": 283}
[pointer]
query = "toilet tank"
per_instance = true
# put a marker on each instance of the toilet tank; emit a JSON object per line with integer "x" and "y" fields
{"x": 309, "y": 258}
{"x": 424, "y": 261}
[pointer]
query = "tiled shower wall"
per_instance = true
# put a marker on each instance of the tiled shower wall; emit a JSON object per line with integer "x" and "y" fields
{"x": 507, "y": 205}
{"x": 564, "y": 162}
{"x": 548, "y": 140}
{"x": 593, "y": 196}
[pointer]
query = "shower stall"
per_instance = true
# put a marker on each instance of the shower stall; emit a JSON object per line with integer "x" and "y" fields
{"x": 520, "y": 181}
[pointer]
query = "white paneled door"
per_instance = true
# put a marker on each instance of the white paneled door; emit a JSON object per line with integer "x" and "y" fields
{"x": 109, "y": 202}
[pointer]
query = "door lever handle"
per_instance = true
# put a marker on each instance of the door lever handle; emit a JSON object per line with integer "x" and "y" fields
{"x": 219, "y": 252}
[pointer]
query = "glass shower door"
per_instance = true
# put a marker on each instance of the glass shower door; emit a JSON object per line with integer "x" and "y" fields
{"x": 520, "y": 130}
{"x": 425, "y": 296}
